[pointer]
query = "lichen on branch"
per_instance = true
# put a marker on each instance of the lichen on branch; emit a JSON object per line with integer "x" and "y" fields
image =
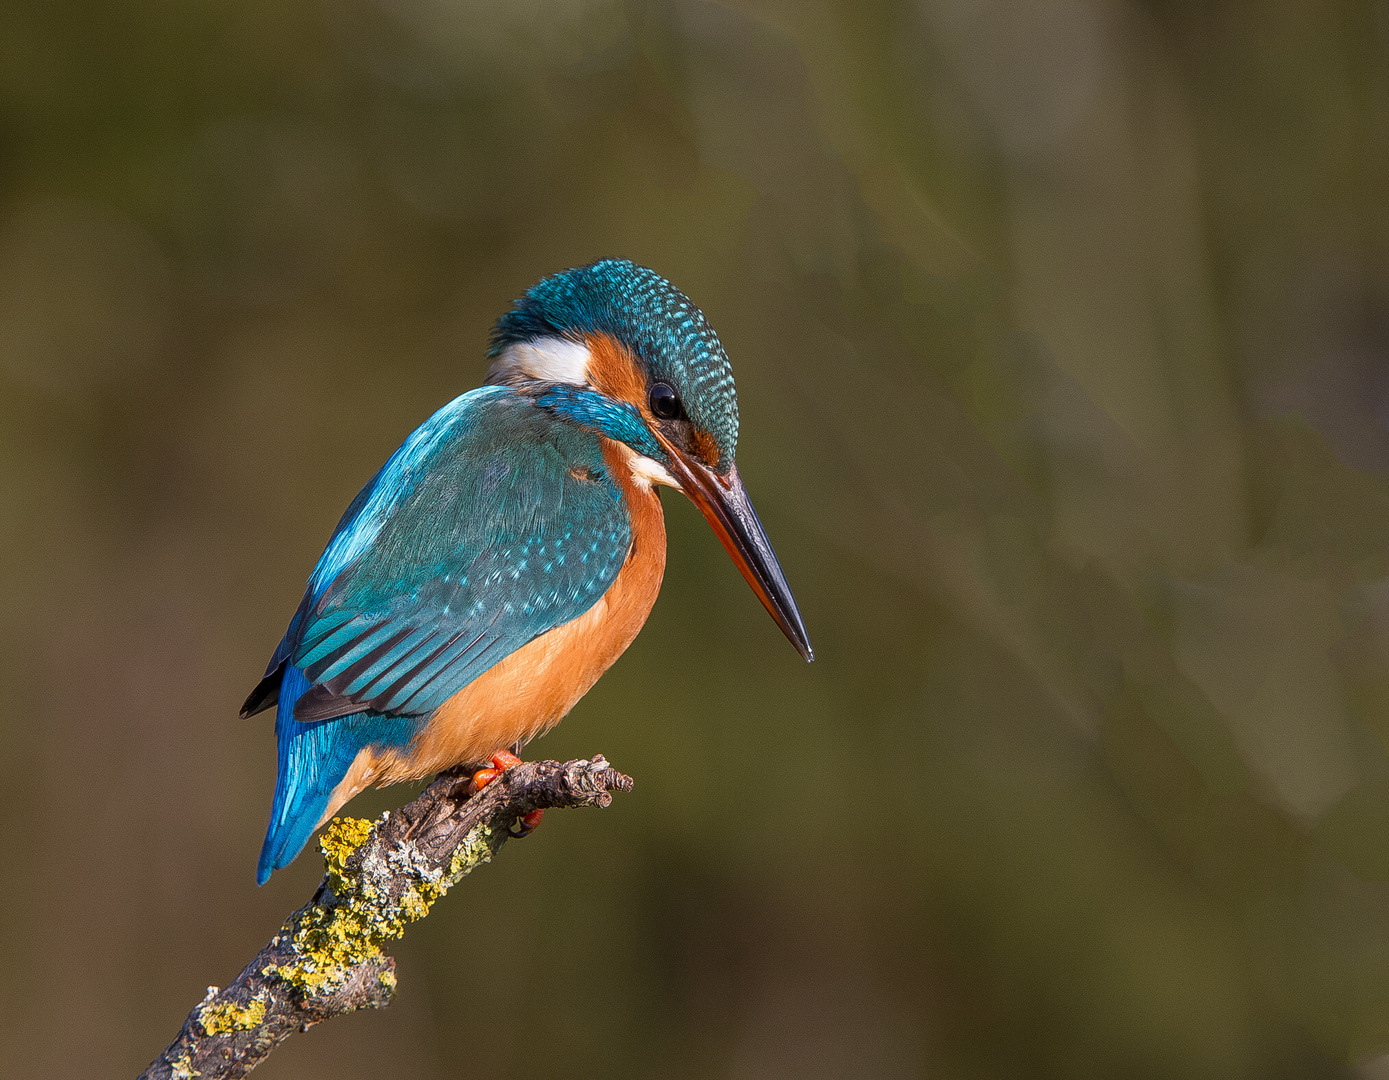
{"x": 376, "y": 894}
{"x": 381, "y": 876}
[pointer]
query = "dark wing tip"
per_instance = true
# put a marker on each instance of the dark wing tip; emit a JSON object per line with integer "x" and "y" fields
{"x": 265, "y": 693}
{"x": 320, "y": 703}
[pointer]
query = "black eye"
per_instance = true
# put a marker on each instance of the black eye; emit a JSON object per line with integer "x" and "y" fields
{"x": 664, "y": 403}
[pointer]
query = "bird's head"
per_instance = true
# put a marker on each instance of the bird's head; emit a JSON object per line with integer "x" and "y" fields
{"x": 618, "y": 349}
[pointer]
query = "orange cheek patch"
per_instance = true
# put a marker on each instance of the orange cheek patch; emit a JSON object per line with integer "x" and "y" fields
{"x": 706, "y": 448}
{"x": 613, "y": 371}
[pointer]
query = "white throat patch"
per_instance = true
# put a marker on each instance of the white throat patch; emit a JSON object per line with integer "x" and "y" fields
{"x": 650, "y": 472}
{"x": 549, "y": 359}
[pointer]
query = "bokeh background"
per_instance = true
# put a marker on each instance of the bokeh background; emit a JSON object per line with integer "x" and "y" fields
{"x": 1062, "y": 337}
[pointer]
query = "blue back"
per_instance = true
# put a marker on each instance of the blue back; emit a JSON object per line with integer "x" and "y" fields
{"x": 493, "y": 523}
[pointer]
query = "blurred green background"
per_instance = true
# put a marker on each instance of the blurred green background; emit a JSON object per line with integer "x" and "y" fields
{"x": 1062, "y": 337}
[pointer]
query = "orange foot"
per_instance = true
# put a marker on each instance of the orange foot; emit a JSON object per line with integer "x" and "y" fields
{"x": 501, "y": 761}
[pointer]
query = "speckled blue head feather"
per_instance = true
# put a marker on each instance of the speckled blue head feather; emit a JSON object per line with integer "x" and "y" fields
{"x": 667, "y": 333}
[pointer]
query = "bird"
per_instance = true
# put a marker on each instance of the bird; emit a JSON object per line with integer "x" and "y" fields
{"x": 511, "y": 548}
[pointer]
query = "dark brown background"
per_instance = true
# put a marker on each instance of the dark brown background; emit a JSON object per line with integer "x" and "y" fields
{"x": 1060, "y": 329}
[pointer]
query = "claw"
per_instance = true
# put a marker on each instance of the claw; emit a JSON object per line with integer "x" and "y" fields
{"x": 527, "y": 824}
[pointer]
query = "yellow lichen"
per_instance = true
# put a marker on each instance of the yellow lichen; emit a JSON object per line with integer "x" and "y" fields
{"x": 330, "y": 942}
{"x": 182, "y": 1068}
{"x": 342, "y": 837}
{"x": 228, "y": 1017}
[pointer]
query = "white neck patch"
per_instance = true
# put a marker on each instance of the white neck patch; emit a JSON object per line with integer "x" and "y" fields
{"x": 548, "y": 359}
{"x": 650, "y": 472}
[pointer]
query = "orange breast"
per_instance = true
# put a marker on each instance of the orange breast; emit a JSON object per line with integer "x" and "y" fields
{"x": 528, "y": 692}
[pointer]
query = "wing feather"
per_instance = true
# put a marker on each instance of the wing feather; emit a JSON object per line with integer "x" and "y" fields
{"x": 492, "y": 524}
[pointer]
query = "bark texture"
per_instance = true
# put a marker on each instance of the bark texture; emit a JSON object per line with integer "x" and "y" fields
{"x": 327, "y": 959}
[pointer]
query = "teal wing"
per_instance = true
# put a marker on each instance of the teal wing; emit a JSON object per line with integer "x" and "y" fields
{"x": 499, "y": 525}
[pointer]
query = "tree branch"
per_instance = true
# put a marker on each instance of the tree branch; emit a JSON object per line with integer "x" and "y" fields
{"x": 327, "y": 959}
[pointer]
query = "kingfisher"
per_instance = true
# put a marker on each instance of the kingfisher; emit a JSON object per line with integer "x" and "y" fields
{"x": 510, "y": 550}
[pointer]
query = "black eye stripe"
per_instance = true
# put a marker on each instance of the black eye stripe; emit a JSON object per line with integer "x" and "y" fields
{"x": 664, "y": 402}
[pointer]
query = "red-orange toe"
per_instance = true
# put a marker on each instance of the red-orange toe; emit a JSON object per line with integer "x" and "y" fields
{"x": 501, "y": 761}
{"x": 505, "y": 759}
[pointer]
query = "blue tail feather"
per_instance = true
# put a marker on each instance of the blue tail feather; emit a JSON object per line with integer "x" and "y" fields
{"x": 313, "y": 759}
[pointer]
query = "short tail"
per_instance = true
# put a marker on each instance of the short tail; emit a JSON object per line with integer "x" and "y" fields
{"x": 314, "y": 757}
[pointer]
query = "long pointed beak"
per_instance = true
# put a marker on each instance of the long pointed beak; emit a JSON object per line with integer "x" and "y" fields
{"x": 725, "y": 503}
